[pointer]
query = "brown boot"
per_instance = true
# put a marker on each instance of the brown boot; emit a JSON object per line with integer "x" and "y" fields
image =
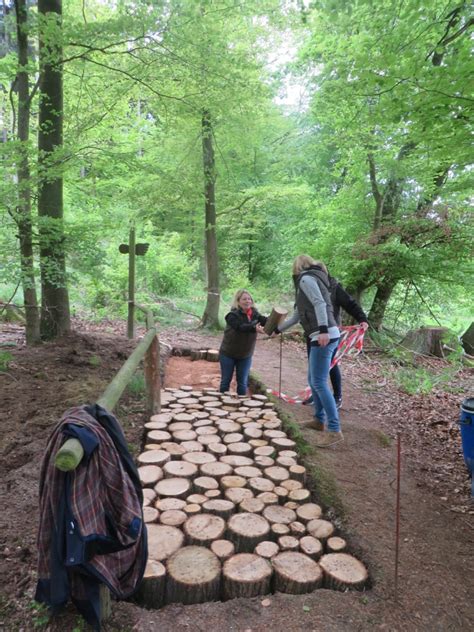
{"x": 329, "y": 439}
{"x": 314, "y": 424}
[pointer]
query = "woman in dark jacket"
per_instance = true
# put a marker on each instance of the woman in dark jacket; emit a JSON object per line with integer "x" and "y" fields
{"x": 237, "y": 347}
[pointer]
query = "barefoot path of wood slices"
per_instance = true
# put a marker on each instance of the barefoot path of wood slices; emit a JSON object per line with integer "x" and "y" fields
{"x": 226, "y": 507}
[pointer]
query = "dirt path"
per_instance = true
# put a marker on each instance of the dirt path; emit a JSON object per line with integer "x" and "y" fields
{"x": 436, "y": 555}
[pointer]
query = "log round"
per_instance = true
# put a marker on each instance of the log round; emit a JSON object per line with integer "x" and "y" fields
{"x": 192, "y": 446}
{"x": 179, "y": 425}
{"x": 288, "y": 543}
{"x": 229, "y": 427}
{"x": 165, "y": 504}
{"x": 219, "y": 449}
{"x": 207, "y": 439}
{"x": 192, "y": 509}
{"x": 163, "y": 417}
{"x": 158, "y": 436}
{"x": 152, "y": 589}
{"x": 311, "y": 547}
{"x": 296, "y": 573}
{"x": 266, "y": 450}
{"x": 267, "y": 549}
{"x": 246, "y": 575}
{"x": 173, "y": 517}
{"x": 205, "y": 430}
{"x": 156, "y": 425}
{"x": 163, "y": 541}
{"x": 264, "y": 461}
{"x": 260, "y": 484}
{"x": 223, "y": 549}
{"x": 268, "y": 498}
{"x": 149, "y": 493}
{"x": 184, "y": 435}
{"x": 246, "y": 530}
{"x": 240, "y": 449}
{"x": 282, "y": 443}
{"x": 291, "y": 484}
{"x": 343, "y": 571}
{"x": 335, "y": 544}
{"x": 232, "y": 437}
{"x": 197, "y": 498}
{"x": 194, "y": 576}
{"x": 278, "y": 530}
{"x": 238, "y": 494}
{"x": 251, "y": 505}
{"x": 175, "y": 449}
{"x": 202, "y": 484}
{"x": 286, "y": 461}
{"x": 297, "y": 528}
{"x": 150, "y": 514}
{"x": 299, "y": 495}
{"x": 232, "y": 481}
{"x": 154, "y": 457}
{"x": 149, "y": 475}
{"x": 173, "y": 487}
{"x": 235, "y": 460}
{"x": 203, "y": 528}
{"x": 180, "y": 469}
{"x": 278, "y": 514}
{"x": 219, "y": 507}
{"x": 321, "y": 529}
{"x": 309, "y": 511}
{"x": 247, "y": 471}
{"x": 216, "y": 469}
{"x": 282, "y": 494}
{"x": 211, "y": 494}
{"x": 198, "y": 458}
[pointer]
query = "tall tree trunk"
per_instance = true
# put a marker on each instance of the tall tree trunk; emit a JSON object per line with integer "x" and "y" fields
{"x": 55, "y": 318}
{"x": 211, "y": 313}
{"x": 380, "y": 302}
{"x": 23, "y": 173}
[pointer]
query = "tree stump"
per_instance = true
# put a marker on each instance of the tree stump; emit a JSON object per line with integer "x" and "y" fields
{"x": 321, "y": 529}
{"x": 212, "y": 355}
{"x": 299, "y": 495}
{"x": 232, "y": 481}
{"x": 173, "y": 487}
{"x": 152, "y": 589}
{"x": 199, "y": 458}
{"x": 158, "y": 436}
{"x": 202, "y": 484}
{"x": 247, "y": 471}
{"x": 235, "y": 460}
{"x": 260, "y": 484}
{"x": 427, "y": 340}
{"x": 180, "y": 469}
{"x": 149, "y": 475}
{"x": 278, "y": 514}
{"x": 154, "y": 457}
{"x": 296, "y": 573}
{"x": 163, "y": 541}
{"x": 166, "y": 504}
{"x": 219, "y": 507}
{"x": 246, "y": 530}
{"x": 202, "y": 529}
{"x": 150, "y": 514}
{"x": 288, "y": 543}
{"x": 251, "y": 505}
{"x": 311, "y": 547}
{"x": 267, "y": 549}
{"x": 173, "y": 517}
{"x": 246, "y": 575}
{"x": 335, "y": 544}
{"x": 194, "y": 576}
{"x": 342, "y": 571}
{"x": 216, "y": 469}
{"x": 223, "y": 549}
{"x": 238, "y": 494}
{"x": 268, "y": 498}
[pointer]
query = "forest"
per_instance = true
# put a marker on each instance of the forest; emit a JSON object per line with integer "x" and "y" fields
{"x": 233, "y": 136}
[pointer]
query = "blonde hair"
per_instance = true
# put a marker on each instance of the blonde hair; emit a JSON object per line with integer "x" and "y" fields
{"x": 302, "y": 262}
{"x": 238, "y": 296}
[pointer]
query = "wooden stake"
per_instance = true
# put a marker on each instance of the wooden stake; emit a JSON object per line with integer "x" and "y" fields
{"x": 397, "y": 515}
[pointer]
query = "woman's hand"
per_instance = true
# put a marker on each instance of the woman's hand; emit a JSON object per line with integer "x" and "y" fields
{"x": 364, "y": 325}
{"x": 260, "y": 329}
{"x": 323, "y": 340}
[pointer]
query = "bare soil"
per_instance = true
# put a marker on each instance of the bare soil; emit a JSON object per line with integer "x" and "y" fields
{"x": 355, "y": 481}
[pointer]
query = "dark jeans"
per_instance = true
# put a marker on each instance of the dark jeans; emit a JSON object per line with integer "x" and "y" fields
{"x": 334, "y": 374}
{"x": 242, "y": 370}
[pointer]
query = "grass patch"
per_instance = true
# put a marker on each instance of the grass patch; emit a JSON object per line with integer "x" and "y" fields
{"x": 136, "y": 386}
{"x": 383, "y": 439}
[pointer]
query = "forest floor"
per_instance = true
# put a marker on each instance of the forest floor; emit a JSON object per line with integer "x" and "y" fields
{"x": 355, "y": 481}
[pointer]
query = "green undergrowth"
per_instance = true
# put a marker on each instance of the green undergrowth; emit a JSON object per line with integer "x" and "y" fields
{"x": 321, "y": 481}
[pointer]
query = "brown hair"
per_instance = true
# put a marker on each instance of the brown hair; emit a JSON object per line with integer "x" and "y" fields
{"x": 238, "y": 296}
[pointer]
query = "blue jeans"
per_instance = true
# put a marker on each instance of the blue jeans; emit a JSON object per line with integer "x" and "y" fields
{"x": 318, "y": 373}
{"x": 242, "y": 370}
{"x": 334, "y": 373}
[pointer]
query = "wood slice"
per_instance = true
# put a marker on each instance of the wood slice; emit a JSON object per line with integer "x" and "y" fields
{"x": 246, "y": 530}
{"x": 285, "y": 461}
{"x": 192, "y": 446}
{"x": 188, "y": 400}
{"x": 290, "y": 484}
{"x": 335, "y": 544}
{"x": 163, "y": 541}
{"x": 201, "y": 423}
{"x": 342, "y": 571}
{"x": 174, "y": 449}
{"x": 291, "y": 453}
{"x": 219, "y": 507}
{"x": 166, "y": 504}
{"x": 296, "y": 573}
{"x": 197, "y": 498}
{"x": 223, "y": 549}
{"x": 149, "y": 475}
{"x": 278, "y": 530}
{"x": 272, "y": 424}
{"x": 260, "y": 397}
{"x": 278, "y": 514}
{"x": 267, "y": 450}
{"x": 282, "y": 443}
{"x": 203, "y": 528}
{"x": 152, "y": 588}
{"x": 212, "y": 355}
{"x": 298, "y": 472}
{"x": 206, "y": 430}
{"x": 216, "y": 469}
{"x": 150, "y": 514}
{"x": 321, "y": 529}
{"x": 198, "y": 458}
{"x": 247, "y": 471}
{"x": 212, "y": 494}
{"x": 152, "y": 446}
{"x": 257, "y": 443}
{"x": 173, "y": 517}
{"x": 180, "y": 469}
{"x": 311, "y": 547}
{"x": 274, "y": 434}
{"x": 241, "y": 449}
{"x": 184, "y": 435}
{"x": 230, "y": 401}
{"x": 232, "y": 481}
{"x": 156, "y": 425}
{"x": 200, "y": 415}
{"x": 180, "y": 425}
{"x": 246, "y": 575}
{"x": 267, "y": 549}
{"x": 251, "y": 403}
{"x": 282, "y": 494}
{"x": 260, "y": 484}
{"x": 253, "y": 433}
{"x": 232, "y": 437}
{"x": 154, "y": 457}
{"x": 194, "y": 576}
{"x": 186, "y": 388}
{"x": 192, "y": 508}
{"x": 291, "y": 505}
{"x": 288, "y": 543}
{"x": 204, "y": 483}
{"x": 173, "y": 487}
{"x": 149, "y": 493}
{"x": 205, "y": 399}
{"x": 297, "y": 528}
{"x": 238, "y": 494}
{"x": 251, "y": 505}
{"x": 219, "y": 449}
{"x": 208, "y": 439}
{"x": 229, "y": 427}
{"x": 276, "y": 473}
{"x": 161, "y": 417}
{"x": 268, "y": 498}
{"x": 264, "y": 461}
{"x": 309, "y": 511}
{"x": 217, "y": 412}
{"x": 183, "y": 417}
{"x": 235, "y": 460}
{"x": 299, "y": 495}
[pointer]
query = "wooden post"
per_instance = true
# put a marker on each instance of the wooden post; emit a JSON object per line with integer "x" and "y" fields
{"x": 131, "y": 284}
{"x": 152, "y": 377}
{"x": 276, "y": 316}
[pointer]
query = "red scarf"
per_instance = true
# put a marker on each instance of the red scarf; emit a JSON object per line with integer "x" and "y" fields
{"x": 249, "y": 313}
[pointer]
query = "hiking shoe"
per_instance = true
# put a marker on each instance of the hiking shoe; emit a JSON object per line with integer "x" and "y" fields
{"x": 329, "y": 439}
{"x": 338, "y": 402}
{"x": 314, "y": 424}
{"x": 308, "y": 401}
